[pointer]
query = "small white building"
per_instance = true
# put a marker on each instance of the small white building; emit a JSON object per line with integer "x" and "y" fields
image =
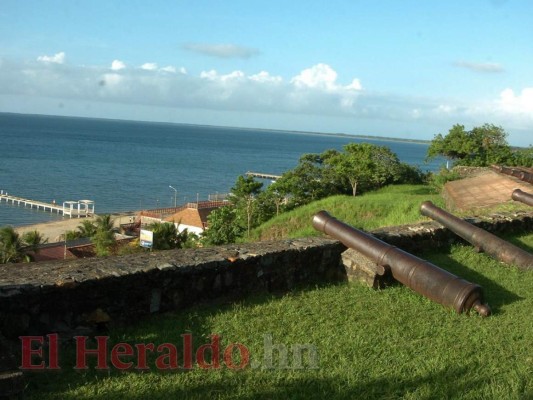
{"x": 80, "y": 208}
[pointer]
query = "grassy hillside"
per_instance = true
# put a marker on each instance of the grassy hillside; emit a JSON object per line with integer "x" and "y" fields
{"x": 390, "y": 206}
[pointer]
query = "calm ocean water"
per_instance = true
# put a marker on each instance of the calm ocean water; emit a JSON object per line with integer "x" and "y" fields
{"x": 124, "y": 165}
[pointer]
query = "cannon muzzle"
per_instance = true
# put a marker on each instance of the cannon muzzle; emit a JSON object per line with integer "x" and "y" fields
{"x": 483, "y": 240}
{"x": 423, "y": 277}
{"x": 524, "y": 197}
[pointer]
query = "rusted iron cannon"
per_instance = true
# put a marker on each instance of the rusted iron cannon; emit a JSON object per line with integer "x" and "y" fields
{"x": 524, "y": 197}
{"x": 423, "y": 277}
{"x": 483, "y": 240}
{"x": 517, "y": 173}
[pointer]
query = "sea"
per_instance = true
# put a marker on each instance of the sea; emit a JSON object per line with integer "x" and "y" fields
{"x": 130, "y": 165}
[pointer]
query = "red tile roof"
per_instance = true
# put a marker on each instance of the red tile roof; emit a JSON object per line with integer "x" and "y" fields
{"x": 196, "y": 214}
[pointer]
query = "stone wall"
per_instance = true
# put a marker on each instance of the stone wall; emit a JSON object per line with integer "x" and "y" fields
{"x": 76, "y": 296}
{"x": 430, "y": 235}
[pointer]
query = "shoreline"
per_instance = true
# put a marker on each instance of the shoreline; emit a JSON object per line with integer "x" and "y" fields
{"x": 52, "y": 230}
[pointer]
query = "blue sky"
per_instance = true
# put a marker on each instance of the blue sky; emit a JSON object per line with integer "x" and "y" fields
{"x": 389, "y": 68}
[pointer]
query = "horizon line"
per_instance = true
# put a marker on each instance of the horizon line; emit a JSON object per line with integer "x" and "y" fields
{"x": 338, "y": 134}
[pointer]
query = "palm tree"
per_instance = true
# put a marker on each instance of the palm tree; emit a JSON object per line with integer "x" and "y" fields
{"x": 87, "y": 228}
{"x": 166, "y": 236}
{"x": 14, "y": 248}
{"x": 103, "y": 237}
{"x": 32, "y": 240}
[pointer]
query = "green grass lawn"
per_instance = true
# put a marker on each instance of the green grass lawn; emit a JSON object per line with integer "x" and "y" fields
{"x": 390, "y": 206}
{"x": 383, "y": 344}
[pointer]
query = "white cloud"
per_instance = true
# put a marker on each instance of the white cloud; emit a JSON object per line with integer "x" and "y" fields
{"x": 321, "y": 81}
{"x": 117, "y": 65}
{"x": 264, "y": 77}
{"x": 319, "y": 76}
{"x": 149, "y": 66}
{"x": 211, "y": 75}
{"x": 517, "y": 103}
{"x": 446, "y": 108}
{"x": 480, "y": 67}
{"x": 58, "y": 58}
{"x": 169, "y": 69}
{"x": 111, "y": 80}
{"x": 355, "y": 85}
{"x": 322, "y": 76}
{"x": 221, "y": 50}
{"x": 215, "y": 76}
{"x": 513, "y": 111}
{"x": 317, "y": 90}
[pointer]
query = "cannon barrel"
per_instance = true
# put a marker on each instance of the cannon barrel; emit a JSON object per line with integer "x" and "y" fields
{"x": 423, "y": 277}
{"x": 483, "y": 240}
{"x": 517, "y": 173}
{"x": 524, "y": 197}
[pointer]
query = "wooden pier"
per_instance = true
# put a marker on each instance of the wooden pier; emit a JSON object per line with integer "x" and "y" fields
{"x": 263, "y": 176}
{"x": 80, "y": 208}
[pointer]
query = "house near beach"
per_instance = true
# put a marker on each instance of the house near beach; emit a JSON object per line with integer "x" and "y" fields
{"x": 193, "y": 216}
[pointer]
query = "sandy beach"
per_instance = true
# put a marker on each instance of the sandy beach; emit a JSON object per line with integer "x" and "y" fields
{"x": 53, "y": 230}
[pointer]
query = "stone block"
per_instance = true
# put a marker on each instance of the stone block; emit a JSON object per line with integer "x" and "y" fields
{"x": 361, "y": 269}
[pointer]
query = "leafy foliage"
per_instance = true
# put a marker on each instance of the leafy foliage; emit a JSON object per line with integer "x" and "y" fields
{"x": 103, "y": 237}
{"x": 439, "y": 180}
{"x": 365, "y": 165}
{"x": 524, "y": 157}
{"x": 86, "y": 229}
{"x": 309, "y": 180}
{"x": 167, "y": 236}
{"x": 15, "y": 248}
{"x": 243, "y": 195}
{"x": 359, "y": 168}
{"x": 481, "y": 146}
{"x": 244, "y": 187}
{"x": 224, "y": 226}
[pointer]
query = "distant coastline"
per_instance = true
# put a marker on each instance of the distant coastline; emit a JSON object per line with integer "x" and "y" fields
{"x": 332, "y": 134}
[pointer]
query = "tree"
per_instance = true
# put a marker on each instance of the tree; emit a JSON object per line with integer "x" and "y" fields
{"x": 32, "y": 240}
{"x": 167, "y": 236}
{"x": 11, "y": 246}
{"x": 224, "y": 226}
{"x": 243, "y": 197}
{"x": 14, "y": 248}
{"x": 310, "y": 180}
{"x": 365, "y": 164}
{"x": 244, "y": 187}
{"x": 87, "y": 228}
{"x": 104, "y": 237}
{"x": 523, "y": 157}
{"x": 269, "y": 203}
{"x": 481, "y": 146}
